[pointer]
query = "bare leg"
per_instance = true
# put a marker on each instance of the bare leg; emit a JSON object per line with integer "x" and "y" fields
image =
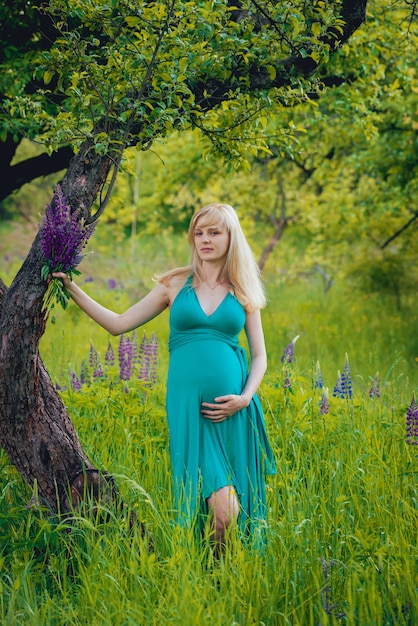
{"x": 224, "y": 507}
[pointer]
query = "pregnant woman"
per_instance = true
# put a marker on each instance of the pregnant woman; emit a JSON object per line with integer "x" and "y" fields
{"x": 218, "y": 443}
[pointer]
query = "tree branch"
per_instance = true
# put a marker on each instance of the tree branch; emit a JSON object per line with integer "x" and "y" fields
{"x": 210, "y": 92}
{"x": 14, "y": 176}
{"x": 400, "y": 231}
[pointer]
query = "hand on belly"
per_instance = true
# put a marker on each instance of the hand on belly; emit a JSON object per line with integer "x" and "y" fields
{"x": 223, "y": 407}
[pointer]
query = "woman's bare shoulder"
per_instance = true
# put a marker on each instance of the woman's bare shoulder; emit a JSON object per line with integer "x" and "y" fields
{"x": 174, "y": 283}
{"x": 178, "y": 280}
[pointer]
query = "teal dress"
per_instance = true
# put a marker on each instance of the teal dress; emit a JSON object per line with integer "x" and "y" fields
{"x": 206, "y": 361}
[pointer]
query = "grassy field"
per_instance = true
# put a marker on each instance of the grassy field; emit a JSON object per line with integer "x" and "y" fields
{"x": 342, "y": 527}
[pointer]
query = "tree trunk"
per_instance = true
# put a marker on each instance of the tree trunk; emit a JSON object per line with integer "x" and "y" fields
{"x": 280, "y": 224}
{"x": 35, "y": 429}
{"x": 274, "y": 240}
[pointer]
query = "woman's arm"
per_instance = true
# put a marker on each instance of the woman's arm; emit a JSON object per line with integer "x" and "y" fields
{"x": 258, "y": 365}
{"x": 117, "y": 323}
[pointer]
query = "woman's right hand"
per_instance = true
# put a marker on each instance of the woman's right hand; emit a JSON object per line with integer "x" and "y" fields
{"x": 66, "y": 280}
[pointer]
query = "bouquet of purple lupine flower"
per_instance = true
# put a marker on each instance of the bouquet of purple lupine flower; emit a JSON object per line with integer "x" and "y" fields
{"x": 63, "y": 236}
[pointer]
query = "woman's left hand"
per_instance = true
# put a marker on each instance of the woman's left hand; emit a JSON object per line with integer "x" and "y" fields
{"x": 223, "y": 407}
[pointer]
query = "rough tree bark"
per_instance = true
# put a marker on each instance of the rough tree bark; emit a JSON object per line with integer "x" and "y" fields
{"x": 35, "y": 429}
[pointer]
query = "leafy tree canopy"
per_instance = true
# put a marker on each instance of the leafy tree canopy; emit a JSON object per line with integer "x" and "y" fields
{"x": 342, "y": 166}
{"x": 125, "y": 72}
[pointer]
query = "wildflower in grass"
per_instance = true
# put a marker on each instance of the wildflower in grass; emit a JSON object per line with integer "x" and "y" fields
{"x": 111, "y": 283}
{"x": 94, "y": 360}
{"x": 343, "y": 387}
{"x": 289, "y": 351}
{"x": 125, "y": 357}
{"x": 98, "y": 370}
{"x": 154, "y": 358}
{"x": 374, "y": 391}
{"x": 324, "y": 403}
{"x": 134, "y": 348}
{"x": 84, "y": 373}
{"x": 93, "y": 356}
{"x": 75, "y": 381}
{"x": 148, "y": 352}
{"x": 63, "y": 236}
{"x": 338, "y": 391}
{"x": 287, "y": 383}
{"x": 346, "y": 382}
{"x": 144, "y": 359}
{"x": 412, "y": 423}
{"x": 110, "y": 355}
{"x": 318, "y": 382}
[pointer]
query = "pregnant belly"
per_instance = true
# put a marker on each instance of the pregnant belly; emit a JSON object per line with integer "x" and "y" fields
{"x": 207, "y": 368}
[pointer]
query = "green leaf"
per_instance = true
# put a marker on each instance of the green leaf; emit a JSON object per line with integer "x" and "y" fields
{"x": 316, "y": 29}
{"x": 48, "y": 77}
{"x": 272, "y": 71}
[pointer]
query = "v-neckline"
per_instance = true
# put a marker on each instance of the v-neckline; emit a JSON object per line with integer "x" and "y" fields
{"x": 215, "y": 310}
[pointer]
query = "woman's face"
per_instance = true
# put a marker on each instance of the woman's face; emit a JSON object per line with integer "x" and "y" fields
{"x": 212, "y": 242}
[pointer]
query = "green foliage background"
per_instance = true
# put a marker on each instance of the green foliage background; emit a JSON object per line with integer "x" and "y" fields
{"x": 341, "y": 532}
{"x": 341, "y": 168}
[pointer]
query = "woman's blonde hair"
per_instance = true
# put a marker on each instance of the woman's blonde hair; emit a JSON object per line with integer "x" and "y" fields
{"x": 240, "y": 269}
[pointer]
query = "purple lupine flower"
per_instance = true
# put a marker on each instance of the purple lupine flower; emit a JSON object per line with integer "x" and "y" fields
{"x": 147, "y": 358}
{"x": 338, "y": 391}
{"x": 154, "y": 358}
{"x": 84, "y": 373}
{"x": 125, "y": 357}
{"x": 98, "y": 370}
{"x": 134, "y": 348}
{"x": 63, "y": 236}
{"x": 287, "y": 383}
{"x": 94, "y": 360}
{"x": 412, "y": 423}
{"x": 75, "y": 381}
{"x": 92, "y": 355}
{"x": 111, "y": 283}
{"x": 346, "y": 383}
{"x": 318, "y": 383}
{"x": 110, "y": 355}
{"x": 144, "y": 360}
{"x": 324, "y": 403}
{"x": 121, "y": 356}
{"x": 374, "y": 391}
{"x": 289, "y": 351}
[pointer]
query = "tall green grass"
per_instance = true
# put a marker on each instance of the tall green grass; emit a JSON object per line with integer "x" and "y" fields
{"x": 341, "y": 532}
